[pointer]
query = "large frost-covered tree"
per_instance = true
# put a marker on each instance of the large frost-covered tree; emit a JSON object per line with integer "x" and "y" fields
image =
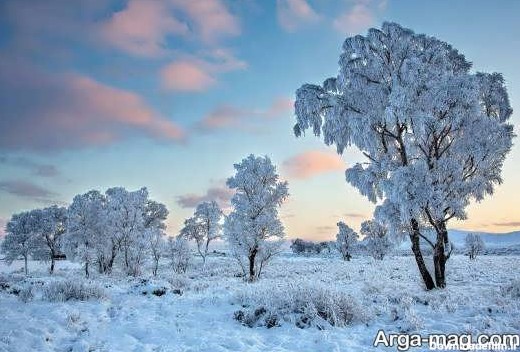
{"x": 52, "y": 223}
{"x": 204, "y": 226}
{"x": 346, "y": 240}
{"x": 253, "y": 229}
{"x": 21, "y": 238}
{"x": 434, "y": 134}
{"x": 377, "y": 241}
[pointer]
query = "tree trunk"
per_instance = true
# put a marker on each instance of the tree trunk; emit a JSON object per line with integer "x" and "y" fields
{"x": 252, "y": 256}
{"x": 52, "y": 264}
{"x": 86, "y": 270}
{"x": 156, "y": 266}
{"x": 25, "y": 261}
{"x": 439, "y": 255}
{"x": 416, "y": 249}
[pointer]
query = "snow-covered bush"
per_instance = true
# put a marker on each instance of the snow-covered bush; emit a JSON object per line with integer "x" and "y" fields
{"x": 346, "y": 240}
{"x": 512, "y": 289}
{"x": 253, "y": 230}
{"x": 299, "y": 303}
{"x": 474, "y": 245}
{"x": 26, "y": 293}
{"x": 179, "y": 253}
{"x": 66, "y": 290}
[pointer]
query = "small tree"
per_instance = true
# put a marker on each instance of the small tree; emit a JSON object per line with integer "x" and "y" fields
{"x": 474, "y": 245}
{"x": 178, "y": 251}
{"x": 253, "y": 229}
{"x": 346, "y": 240}
{"x": 21, "y": 238}
{"x": 154, "y": 216}
{"x": 204, "y": 227}
{"x": 378, "y": 243}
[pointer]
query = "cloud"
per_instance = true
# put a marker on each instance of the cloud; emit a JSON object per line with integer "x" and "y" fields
{"x": 37, "y": 169}
{"x": 312, "y": 163}
{"x": 44, "y": 111}
{"x": 355, "y": 215}
{"x": 508, "y": 224}
{"x": 25, "y": 189}
{"x": 294, "y": 13}
{"x": 359, "y": 17}
{"x": 195, "y": 74}
{"x": 221, "y": 194}
{"x": 230, "y": 116}
{"x": 325, "y": 229}
{"x": 143, "y": 27}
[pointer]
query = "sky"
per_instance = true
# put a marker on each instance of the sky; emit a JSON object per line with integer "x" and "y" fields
{"x": 169, "y": 94}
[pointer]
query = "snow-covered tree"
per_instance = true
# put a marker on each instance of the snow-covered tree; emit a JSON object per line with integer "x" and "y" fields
{"x": 51, "y": 227}
{"x": 376, "y": 238}
{"x": 179, "y": 254}
{"x": 126, "y": 223}
{"x": 474, "y": 245}
{"x": 346, "y": 240}
{"x": 204, "y": 226}
{"x": 253, "y": 229}
{"x": 154, "y": 216}
{"x": 21, "y": 238}
{"x": 85, "y": 238}
{"x": 434, "y": 134}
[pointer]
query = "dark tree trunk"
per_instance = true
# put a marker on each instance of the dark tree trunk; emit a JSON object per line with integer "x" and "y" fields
{"x": 252, "y": 256}
{"x": 52, "y": 264}
{"x": 439, "y": 255}
{"x": 416, "y": 249}
{"x": 25, "y": 261}
{"x": 86, "y": 270}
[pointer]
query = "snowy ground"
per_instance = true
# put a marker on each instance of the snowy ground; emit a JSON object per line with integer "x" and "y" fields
{"x": 197, "y": 311}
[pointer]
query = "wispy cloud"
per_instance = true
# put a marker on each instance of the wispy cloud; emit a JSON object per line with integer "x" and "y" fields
{"x": 312, "y": 163}
{"x": 508, "y": 224}
{"x": 55, "y": 111}
{"x": 196, "y": 74}
{"x": 221, "y": 194}
{"x": 36, "y": 168}
{"x": 230, "y": 116}
{"x": 293, "y": 14}
{"x": 25, "y": 189}
{"x": 355, "y": 215}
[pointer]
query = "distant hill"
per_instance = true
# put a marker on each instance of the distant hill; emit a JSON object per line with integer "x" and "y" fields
{"x": 490, "y": 239}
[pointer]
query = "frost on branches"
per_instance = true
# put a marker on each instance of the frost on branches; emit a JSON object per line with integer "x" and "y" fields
{"x": 346, "y": 240}
{"x": 377, "y": 241}
{"x": 434, "y": 134}
{"x": 253, "y": 230}
{"x": 474, "y": 245}
{"x": 204, "y": 226}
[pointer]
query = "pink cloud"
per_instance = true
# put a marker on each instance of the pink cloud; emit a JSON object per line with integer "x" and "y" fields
{"x": 221, "y": 194}
{"x": 312, "y": 163}
{"x": 56, "y": 111}
{"x": 142, "y": 27}
{"x": 229, "y": 116}
{"x": 359, "y": 17}
{"x": 186, "y": 76}
{"x": 192, "y": 74}
{"x": 294, "y": 13}
{"x": 210, "y": 18}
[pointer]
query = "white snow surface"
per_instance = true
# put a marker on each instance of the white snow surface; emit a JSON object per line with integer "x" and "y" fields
{"x": 130, "y": 318}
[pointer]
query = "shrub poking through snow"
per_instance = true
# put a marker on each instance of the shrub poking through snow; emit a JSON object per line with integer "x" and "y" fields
{"x": 62, "y": 291}
{"x": 300, "y": 304}
{"x": 512, "y": 289}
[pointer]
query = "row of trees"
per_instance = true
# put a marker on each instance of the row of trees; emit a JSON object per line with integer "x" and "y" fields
{"x": 126, "y": 228}
{"x": 435, "y": 134}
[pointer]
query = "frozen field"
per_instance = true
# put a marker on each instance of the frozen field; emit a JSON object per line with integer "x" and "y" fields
{"x": 197, "y": 311}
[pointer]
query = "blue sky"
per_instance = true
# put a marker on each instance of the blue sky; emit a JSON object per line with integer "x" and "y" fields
{"x": 169, "y": 94}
